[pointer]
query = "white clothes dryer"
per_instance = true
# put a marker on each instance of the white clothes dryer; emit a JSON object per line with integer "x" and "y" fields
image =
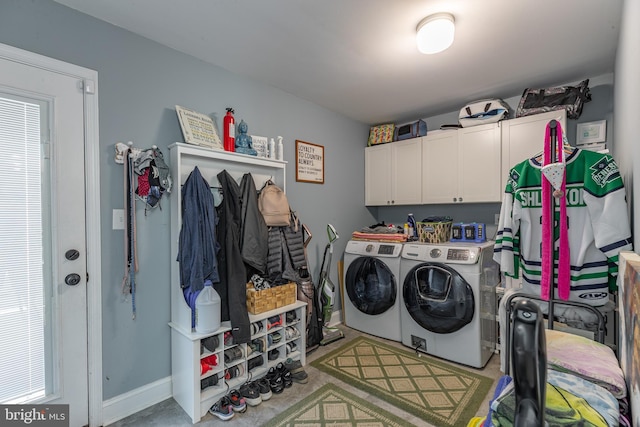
{"x": 448, "y": 300}
{"x": 371, "y": 295}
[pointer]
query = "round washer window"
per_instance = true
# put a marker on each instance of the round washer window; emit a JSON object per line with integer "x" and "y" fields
{"x": 371, "y": 286}
{"x": 438, "y": 298}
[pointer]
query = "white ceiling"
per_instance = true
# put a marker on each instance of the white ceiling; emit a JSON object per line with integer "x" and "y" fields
{"x": 358, "y": 57}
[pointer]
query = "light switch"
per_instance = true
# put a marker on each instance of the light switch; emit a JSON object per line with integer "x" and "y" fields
{"x": 118, "y": 219}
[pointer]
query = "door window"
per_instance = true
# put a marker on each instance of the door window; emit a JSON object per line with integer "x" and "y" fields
{"x": 26, "y": 297}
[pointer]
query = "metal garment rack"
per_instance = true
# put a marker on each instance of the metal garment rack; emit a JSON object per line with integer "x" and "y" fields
{"x": 509, "y": 302}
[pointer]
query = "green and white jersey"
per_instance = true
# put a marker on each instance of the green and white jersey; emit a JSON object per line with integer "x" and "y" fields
{"x": 598, "y": 225}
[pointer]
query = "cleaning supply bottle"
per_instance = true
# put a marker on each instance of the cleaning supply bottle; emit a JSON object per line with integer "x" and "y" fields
{"x": 272, "y": 149}
{"x": 280, "y": 150}
{"x": 412, "y": 227}
{"x": 229, "y": 131}
{"x": 207, "y": 309}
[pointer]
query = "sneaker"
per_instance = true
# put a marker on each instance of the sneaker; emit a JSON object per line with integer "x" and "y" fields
{"x": 298, "y": 374}
{"x": 222, "y": 409}
{"x": 208, "y": 382}
{"x": 274, "y": 338}
{"x": 276, "y": 383}
{"x": 238, "y": 403}
{"x": 255, "y": 362}
{"x": 273, "y": 354}
{"x": 291, "y": 347}
{"x": 251, "y": 393}
{"x": 291, "y": 333}
{"x": 291, "y": 317}
{"x": 284, "y": 373}
{"x": 265, "y": 388}
{"x": 274, "y": 321}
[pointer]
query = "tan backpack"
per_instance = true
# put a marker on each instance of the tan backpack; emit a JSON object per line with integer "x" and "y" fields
{"x": 274, "y": 206}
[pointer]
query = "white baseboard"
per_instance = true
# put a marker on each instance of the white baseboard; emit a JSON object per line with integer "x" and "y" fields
{"x": 336, "y": 318}
{"x": 129, "y": 403}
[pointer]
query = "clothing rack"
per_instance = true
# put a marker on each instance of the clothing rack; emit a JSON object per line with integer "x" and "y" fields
{"x": 553, "y": 128}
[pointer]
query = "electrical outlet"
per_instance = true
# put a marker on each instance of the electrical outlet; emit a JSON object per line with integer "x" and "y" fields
{"x": 417, "y": 342}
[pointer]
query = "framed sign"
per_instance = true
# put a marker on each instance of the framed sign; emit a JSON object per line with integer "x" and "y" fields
{"x": 592, "y": 132}
{"x": 309, "y": 162}
{"x": 198, "y": 129}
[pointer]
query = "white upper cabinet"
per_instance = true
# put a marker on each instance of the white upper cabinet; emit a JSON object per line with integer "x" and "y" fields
{"x": 462, "y": 166}
{"x": 523, "y": 138}
{"x": 393, "y": 173}
{"x": 440, "y": 167}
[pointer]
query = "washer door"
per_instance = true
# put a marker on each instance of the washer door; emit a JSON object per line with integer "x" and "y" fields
{"x": 370, "y": 285}
{"x": 438, "y": 298}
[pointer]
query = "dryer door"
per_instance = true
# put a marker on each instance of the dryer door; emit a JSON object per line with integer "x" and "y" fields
{"x": 371, "y": 286}
{"x": 438, "y": 298}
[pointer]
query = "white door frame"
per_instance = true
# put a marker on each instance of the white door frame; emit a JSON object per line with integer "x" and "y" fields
{"x": 92, "y": 212}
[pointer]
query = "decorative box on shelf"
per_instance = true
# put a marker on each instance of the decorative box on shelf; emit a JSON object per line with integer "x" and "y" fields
{"x": 270, "y": 298}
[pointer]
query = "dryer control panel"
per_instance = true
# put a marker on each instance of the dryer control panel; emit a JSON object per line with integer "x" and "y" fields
{"x": 443, "y": 253}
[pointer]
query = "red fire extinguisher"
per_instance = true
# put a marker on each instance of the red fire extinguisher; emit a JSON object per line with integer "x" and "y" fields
{"x": 229, "y": 131}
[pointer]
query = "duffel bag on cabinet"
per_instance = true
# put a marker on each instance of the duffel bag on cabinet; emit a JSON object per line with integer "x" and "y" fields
{"x": 483, "y": 112}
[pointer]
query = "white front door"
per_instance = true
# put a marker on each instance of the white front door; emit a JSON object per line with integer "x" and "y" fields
{"x": 43, "y": 249}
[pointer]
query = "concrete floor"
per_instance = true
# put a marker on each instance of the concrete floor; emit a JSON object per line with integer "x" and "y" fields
{"x": 169, "y": 413}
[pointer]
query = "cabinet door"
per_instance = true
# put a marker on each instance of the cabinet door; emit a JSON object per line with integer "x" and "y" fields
{"x": 440, "y": 167}
{"x": 523, "y": 138}
{"x": 479, "y": 151}
{"x": 406, "y": 172}
{"x": 377, "y": 172}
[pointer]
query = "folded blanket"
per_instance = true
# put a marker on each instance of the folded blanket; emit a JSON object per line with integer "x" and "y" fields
{"x": 380, "y": 237}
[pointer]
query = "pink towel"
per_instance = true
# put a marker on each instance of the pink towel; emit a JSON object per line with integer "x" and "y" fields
{"x": 548, "y": 240}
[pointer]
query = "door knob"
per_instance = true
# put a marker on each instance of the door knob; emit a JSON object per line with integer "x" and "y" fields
{"x": 72, "y": 279}
{"x": 72, "y": 254}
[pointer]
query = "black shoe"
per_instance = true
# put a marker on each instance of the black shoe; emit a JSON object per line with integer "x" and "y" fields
{"x": 251, "y": 393}
{"x": 284, "y": 374}
{"x": 273, "y": 354}
{"x": 276, "y": 383}
{"x": 255, "y": 362}
{"x": 209, "y": 382}
{"x": 291, "y": 316}
{"x": 265, "y": 388}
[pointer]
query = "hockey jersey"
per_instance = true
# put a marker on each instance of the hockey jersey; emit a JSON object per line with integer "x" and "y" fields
{"x": 598, "y": 225}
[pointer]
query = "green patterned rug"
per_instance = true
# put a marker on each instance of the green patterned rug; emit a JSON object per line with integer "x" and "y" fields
{"x": 431, "y": 390}
{"x": 332, "y": 406}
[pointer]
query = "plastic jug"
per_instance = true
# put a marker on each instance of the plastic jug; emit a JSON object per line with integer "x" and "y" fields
{"x": 207, "y": 309}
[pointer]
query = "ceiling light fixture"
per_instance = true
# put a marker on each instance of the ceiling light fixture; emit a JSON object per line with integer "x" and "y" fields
{"x": 435, "y": 33}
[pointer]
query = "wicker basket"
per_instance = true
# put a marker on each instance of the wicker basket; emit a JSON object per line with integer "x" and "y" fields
{"x": 270, "y": 299}
{"x": 434, "y": 232}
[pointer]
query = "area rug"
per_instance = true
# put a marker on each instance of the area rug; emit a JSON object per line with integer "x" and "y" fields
{"x": 434, "y": 391}
{"x": 332, "y": 406}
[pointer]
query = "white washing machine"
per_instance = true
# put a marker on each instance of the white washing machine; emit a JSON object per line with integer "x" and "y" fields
{"x": 371, "y": 294}
{"x": 448, "y": 300}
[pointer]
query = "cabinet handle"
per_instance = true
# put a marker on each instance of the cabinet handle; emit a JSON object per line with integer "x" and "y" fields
{"x": 393, "y": 201}
{"x": 460, "y": 199}
{"x": 455, "y": 199}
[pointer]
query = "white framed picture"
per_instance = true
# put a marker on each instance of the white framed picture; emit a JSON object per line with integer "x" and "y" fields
{"x": 591, "y": 132}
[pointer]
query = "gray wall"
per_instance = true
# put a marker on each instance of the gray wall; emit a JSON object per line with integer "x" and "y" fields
{"x": 626, "y": 95}
{"x": 140, "y": 82}
{"x": 599, "y": 108}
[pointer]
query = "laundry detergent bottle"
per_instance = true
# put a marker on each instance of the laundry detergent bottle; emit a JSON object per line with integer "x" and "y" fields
{"x": 207, "y": 309}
